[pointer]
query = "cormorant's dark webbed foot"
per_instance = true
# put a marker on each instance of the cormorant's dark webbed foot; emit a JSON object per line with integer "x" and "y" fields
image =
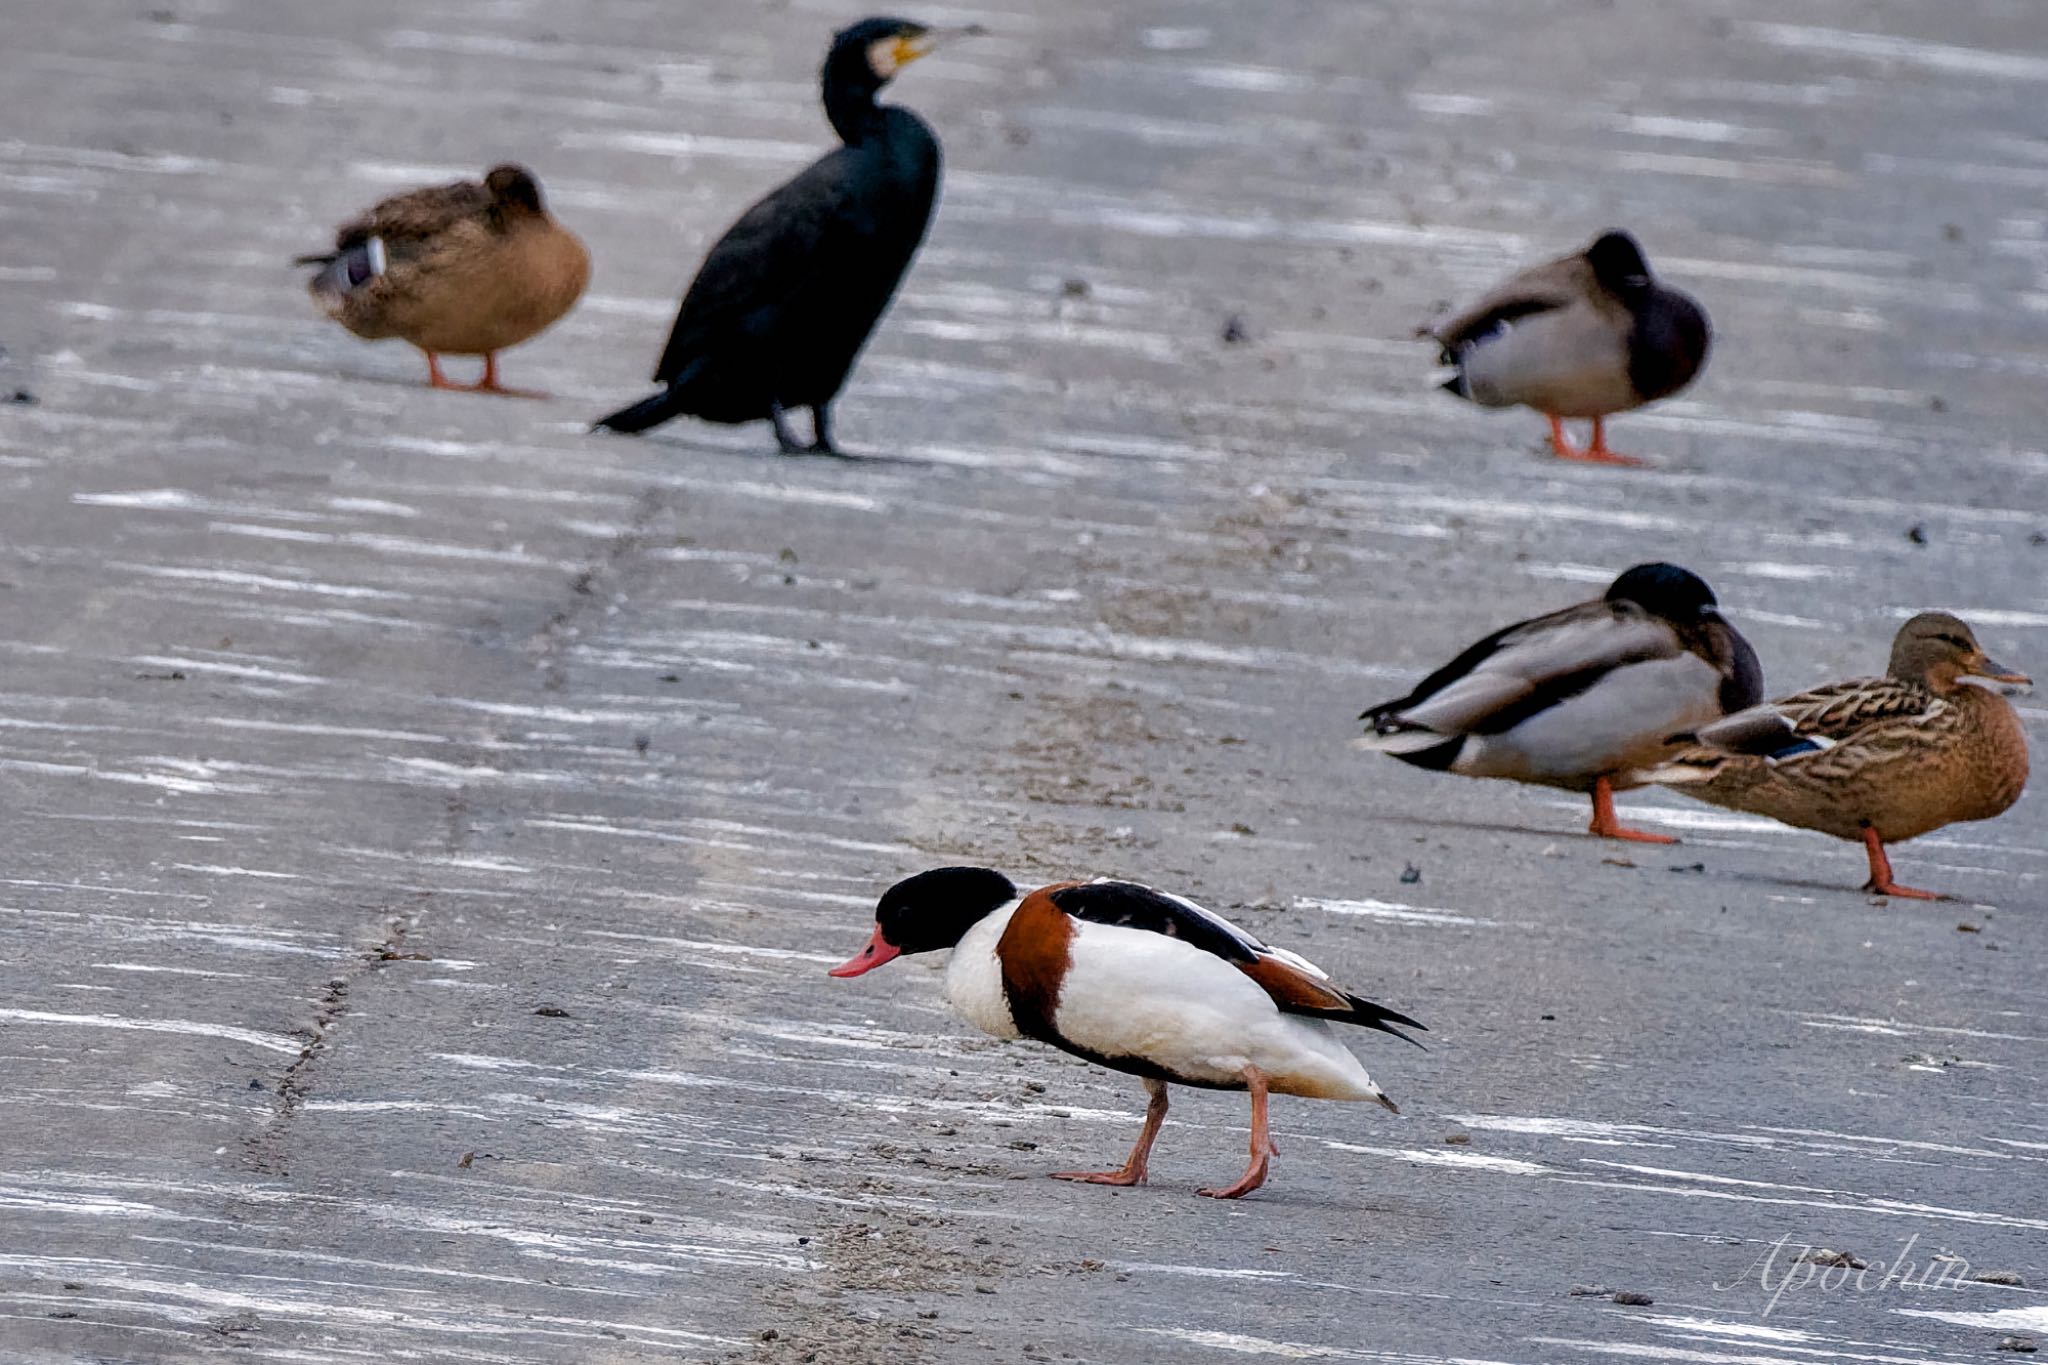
{"x": 821, "y": 423}
{"x": 784, "y": 437}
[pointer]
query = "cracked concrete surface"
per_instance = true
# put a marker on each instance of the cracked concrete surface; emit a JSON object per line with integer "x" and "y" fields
{"x": 576, "y": 760}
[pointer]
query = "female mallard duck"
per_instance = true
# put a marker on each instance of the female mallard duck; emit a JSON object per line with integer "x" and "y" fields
{"x": 1587, "y": 335}
{"x": 1873, "y": 760}
{"x": 1583, "y": 697}
{"x": 465, "y": 269}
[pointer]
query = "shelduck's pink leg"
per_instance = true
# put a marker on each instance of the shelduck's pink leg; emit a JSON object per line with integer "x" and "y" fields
{"x": 1132, "y": 1172}
{"x": 1262, "y": 1142}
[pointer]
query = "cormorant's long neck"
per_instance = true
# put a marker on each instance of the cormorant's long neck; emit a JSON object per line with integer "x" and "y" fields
{"x": 850, "y": 104}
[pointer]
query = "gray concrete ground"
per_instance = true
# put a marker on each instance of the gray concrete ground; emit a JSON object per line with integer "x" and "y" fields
{"x": 429, "y": 823}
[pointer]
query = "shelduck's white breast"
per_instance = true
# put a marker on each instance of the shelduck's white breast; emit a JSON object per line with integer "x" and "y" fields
{"x": 974, "y": 976}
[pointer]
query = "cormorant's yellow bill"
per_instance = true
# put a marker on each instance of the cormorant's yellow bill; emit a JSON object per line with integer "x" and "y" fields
{"x": 891, "y": 55}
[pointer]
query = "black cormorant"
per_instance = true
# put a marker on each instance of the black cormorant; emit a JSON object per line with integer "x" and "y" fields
{"x": 786, "y": 299}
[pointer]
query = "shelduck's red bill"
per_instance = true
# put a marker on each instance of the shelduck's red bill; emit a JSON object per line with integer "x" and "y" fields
{"x": 878, "y": 951}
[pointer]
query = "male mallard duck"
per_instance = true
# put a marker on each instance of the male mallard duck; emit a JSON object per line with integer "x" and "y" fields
{"x": 465, "y": 269}
{"x": 1583, "y": 697}
{"x": 787, "y": 297}
{"x": 1873, "y": 760}
{"x": 1136, "y": 980}
{"x": 1586, "y": 335}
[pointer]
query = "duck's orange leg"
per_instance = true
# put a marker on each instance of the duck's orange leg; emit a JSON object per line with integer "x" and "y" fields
{"x": 1881, "y": 883}
{"x": 489, "y": 383}
{"x": 1132, "y": 1172}
{"x": 437, "y": 380}
{"x": 1608, "y": 826}
{"x": 1262, "y": 1142}
{"x": 1596, "y": 453}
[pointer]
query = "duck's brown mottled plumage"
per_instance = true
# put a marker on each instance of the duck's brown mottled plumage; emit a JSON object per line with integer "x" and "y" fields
{"x": 1899, "y": 755}
{"x": 461, "y": 269}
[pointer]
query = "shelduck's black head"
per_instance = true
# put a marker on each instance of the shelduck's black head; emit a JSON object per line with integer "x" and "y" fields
{"x": 928, "y": 912}
{"x": 1666, "y": 590}
{"x": 513, "y": 187}
{"x": 1618, "y": 262}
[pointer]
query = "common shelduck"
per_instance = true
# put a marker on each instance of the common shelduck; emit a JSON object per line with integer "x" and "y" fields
{"x": 1136, "y": 980}
{"x": 1588, "y": 335}
{"x": 1581, "y": 698}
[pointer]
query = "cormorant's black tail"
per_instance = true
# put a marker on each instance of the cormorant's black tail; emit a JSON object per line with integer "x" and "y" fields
{"x": 1456, "y": 386}
{"x": 648, "y": 412}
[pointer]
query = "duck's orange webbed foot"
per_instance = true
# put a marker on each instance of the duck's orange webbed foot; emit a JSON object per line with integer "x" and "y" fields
{"x": 1596, "y": 453}
{"x": 1881, "y": 883}
{"x": 1608, "y": 826}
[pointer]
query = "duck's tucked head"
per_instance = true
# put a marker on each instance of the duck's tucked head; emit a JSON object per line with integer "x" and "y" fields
{"x": 929, "y": 912}
{"x": 1618, "y": 262}
{"x": 513, "y": 187}
{"x": 1938, "y": 649}
{"x": 1666, "y": 590}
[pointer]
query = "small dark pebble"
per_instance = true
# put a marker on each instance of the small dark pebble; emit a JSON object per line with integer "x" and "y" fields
{"x": 771, "y": 1335}
{"x": 1234, "y": 333}
{"x": 1617, "y": 862}
{"x": 801, "y": 1241}
{"x": 1458, "y": 1139}
{"x": 72, "y": 1284}
{"x": 1831, "y": 1258}
{"x": 641, "y": 743}
{"x": 552, "y": 1012}
{"x": 1937, "y": 404}
{"x": 1410, "y": 874}
{"x": 161, "y": 677}
{"x": 468, "y": 1158}
{"x": 67, "y": 1313}
{"x": 2026, "y": 1345}
{"x": 1917, "y": 533}
{"x": 1024, "y": 1145}
{"x": 23, "y": 397}
{"x": 1968, "y": 928}
{"x": 255, "y": 1084}
{"x": 984, "y": 1289}
{"x": 1550, "y": 1018}
{"x": 2004, "y": 1277}
{"x": 1632, "y": 1299}
{"x": 2038, "y": 538}
{"x": 671, "y": 677}
{"x": 1076, "y": 288}
{"x": 1689, "y": 867}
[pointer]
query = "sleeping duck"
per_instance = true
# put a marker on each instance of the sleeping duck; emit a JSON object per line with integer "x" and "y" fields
{"x": 1581, "y": 698}
{"x": 460, "y": 269}
{"x": 1873, "y": 760}
{"x": 1587, "y": 335}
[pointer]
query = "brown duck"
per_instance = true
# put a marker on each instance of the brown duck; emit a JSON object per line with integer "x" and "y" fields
{"x": 1588, "y": 335}
{"x": 1873, "y": 760}
{"x": 459, "y": 269}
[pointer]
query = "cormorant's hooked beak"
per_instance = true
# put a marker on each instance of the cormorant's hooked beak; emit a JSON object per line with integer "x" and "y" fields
{"x": 923, "y": 44}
